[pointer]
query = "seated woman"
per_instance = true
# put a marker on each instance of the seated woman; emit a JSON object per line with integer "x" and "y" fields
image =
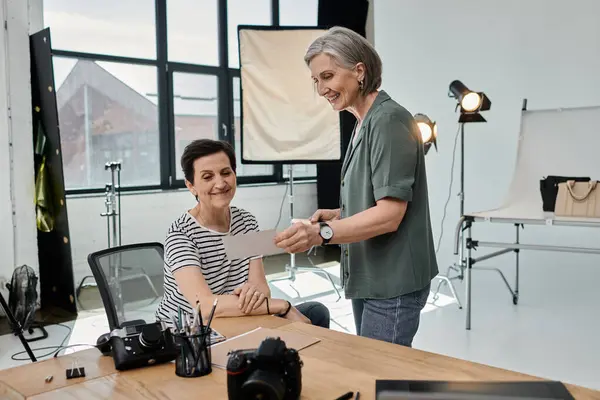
{"x": 196, "y": 266}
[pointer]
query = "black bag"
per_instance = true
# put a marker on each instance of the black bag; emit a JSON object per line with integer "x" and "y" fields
{"x": 549, "y": 189}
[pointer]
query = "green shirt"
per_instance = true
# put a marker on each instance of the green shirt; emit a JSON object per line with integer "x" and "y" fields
{"x": 387, "y": 160}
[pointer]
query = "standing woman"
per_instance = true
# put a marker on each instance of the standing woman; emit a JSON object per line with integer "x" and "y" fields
{"x": 383, "y": 223}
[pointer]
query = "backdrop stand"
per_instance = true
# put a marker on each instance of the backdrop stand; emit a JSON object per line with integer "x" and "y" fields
{"x": 292, "y": 268}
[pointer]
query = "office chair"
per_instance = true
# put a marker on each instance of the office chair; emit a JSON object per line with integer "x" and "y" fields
{"x": 130, "y": 280}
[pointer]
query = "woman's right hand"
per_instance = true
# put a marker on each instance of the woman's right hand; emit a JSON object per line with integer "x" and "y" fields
{"x": 325, "y": 215}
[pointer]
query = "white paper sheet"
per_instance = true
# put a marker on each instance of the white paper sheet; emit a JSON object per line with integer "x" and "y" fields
{"x": 561, "y": 142}
{"x": 251, "y": 244}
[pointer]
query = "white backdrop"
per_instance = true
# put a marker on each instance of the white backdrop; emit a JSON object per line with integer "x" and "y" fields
{"x": 564, "y": 142}
{"x": 283, "y": 117}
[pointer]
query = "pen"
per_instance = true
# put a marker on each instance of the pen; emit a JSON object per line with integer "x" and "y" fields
{"x": 357, "y": 396}
{"x": 346, "y": 396}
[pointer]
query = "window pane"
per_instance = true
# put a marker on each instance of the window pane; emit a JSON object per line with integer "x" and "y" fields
{"x": 196, "y": 109}
{"x": 107, "y": 112}
{"x": 115, "y": 27}
{"x": 244, "y": 12}
{"x": 298, "y": 13}
{"x": 244, "y": 169}
{"x": 192, "y": 27}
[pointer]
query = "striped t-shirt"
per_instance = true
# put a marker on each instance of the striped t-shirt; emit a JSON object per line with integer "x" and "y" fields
{"x": 189, "y": 244}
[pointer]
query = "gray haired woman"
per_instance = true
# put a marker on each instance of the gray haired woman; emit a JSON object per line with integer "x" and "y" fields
{"x": 383, "y": 224}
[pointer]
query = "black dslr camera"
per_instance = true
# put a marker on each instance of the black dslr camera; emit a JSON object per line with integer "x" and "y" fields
{"x": 138, "y": 346}
{"x": 271, "y": 372}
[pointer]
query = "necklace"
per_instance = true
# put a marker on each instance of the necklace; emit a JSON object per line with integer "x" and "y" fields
{"x": 202, "y": 221}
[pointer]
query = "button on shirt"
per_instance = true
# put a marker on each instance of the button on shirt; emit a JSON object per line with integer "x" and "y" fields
{"x": 386, "y": 159}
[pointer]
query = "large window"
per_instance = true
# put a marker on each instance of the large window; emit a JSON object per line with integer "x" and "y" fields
{"x": 137, "y": 80}
{"x": 106, "y": 114}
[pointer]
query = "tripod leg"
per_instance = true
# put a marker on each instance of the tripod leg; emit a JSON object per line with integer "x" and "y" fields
{"x": 17, "y": 329}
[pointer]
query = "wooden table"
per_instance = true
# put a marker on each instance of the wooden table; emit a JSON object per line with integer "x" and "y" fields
{"x": 337, "y": 364}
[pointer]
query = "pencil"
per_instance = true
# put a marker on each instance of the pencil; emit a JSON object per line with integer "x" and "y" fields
{"x": 212, "y": 313}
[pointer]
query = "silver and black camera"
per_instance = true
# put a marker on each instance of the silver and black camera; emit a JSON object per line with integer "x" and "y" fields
{"x": 138, "y": 345}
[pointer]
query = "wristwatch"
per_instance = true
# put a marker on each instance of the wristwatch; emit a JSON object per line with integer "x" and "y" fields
{"x": 325, "y": 232}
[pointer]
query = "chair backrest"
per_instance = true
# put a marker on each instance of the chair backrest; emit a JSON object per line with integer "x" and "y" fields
{"x": 130, "y": 281}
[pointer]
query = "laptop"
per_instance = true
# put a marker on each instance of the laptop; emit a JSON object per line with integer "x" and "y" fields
{"x": 469, "y": 390}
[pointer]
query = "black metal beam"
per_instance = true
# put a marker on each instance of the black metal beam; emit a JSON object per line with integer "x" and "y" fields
{"x": 103, "y": 57}
{"x": 164, "y": 116}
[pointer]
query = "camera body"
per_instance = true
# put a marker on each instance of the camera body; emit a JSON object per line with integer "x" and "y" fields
{"x": 138, "y": 346}
{"x": 270, "y": 372}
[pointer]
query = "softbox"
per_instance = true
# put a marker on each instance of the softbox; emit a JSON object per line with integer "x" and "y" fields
{"x": 283, "y": 118}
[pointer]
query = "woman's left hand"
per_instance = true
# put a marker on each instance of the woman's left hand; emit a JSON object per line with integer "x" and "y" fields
{"x": 299, "y": 237}
{"x": 250, "y": 297}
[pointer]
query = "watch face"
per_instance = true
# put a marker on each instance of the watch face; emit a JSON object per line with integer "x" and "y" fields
{"x": 326, "y": 232}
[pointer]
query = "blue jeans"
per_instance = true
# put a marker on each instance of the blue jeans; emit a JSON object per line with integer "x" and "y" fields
{"x": 316, "y": 312}
{"x": 394, "y": 320}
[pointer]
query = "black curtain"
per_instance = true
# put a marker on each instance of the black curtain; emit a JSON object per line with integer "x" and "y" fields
{"x": 351, "y": 14}
{"x": 57, "y": 289}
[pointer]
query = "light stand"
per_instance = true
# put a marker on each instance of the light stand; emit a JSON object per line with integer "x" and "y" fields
{"x": 429, "y": 135}
{"x": 292, "y": 268}
{"x": 470, "y": 104}
{"x": 112, "y": 203}
{"x": 17, "y": 328}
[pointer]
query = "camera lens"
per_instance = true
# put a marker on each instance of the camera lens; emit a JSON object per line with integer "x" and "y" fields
{"x": 264, "y": 385}
{"x": 150, "y": 336}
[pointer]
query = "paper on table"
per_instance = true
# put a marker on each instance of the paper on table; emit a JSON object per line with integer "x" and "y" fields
{"x": 251, "y": 244}
{"x": 253, "y": 339}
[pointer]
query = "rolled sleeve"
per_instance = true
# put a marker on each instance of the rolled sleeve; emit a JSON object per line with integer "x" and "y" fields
{"x": 393, "y": 158}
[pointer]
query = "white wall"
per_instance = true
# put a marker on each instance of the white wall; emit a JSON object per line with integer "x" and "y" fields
{"x": 146, "y": 217}
{"x": 18, "y": 236}
{"x": 547, "y": 52}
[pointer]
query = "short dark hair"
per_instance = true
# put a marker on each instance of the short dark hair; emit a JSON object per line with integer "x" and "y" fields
{"x": 202, "y": 148}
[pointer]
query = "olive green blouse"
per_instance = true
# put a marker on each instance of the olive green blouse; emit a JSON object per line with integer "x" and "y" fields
{"x": 387, "y": 160}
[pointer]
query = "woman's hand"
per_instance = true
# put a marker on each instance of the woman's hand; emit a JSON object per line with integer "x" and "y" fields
{"x": 325, "y": 215}
{"x": 299, "y": 238}
{"x": 250, "y": 297}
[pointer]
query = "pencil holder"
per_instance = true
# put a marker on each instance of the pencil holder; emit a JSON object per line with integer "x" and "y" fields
{"x": 193, "y": 356}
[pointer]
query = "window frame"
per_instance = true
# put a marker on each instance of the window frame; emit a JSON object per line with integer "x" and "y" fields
{"x": 165, "y": 70}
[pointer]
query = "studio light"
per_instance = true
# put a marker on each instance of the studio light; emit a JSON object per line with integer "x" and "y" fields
{"x": 428, "y": 130}
{"x": 471, "y": 103}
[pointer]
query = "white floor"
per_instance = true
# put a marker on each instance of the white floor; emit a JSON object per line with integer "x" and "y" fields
{"x": 553, "y": 332}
